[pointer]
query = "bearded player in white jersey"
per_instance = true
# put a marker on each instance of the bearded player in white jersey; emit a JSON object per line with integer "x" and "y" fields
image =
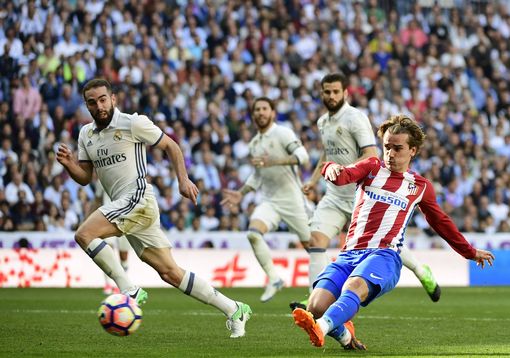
{"x": 276, "y": 153}
{"x": 369, "y": 265}
{"x": 347, "y": 137}
{"x": 114, "y": 144}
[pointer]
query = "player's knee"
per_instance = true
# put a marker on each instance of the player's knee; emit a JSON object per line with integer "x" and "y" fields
{"x": 358, "y": 285}
{"x": 318, "y": 241}
{"x": 82, "y": 238}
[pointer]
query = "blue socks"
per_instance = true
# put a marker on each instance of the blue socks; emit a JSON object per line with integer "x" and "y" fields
{"x": 340, "y": 312}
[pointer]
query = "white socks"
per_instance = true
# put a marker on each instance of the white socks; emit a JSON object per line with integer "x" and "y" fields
{"x": 318, "y": 261}
{"x": 410, "y": 261}
{"x": 197, "y": 288}
{"x": 263, "y": 255}
{"x": 104, "y": 257}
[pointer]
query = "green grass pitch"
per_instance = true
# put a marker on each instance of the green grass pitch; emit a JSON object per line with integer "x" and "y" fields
{"x": 466, "y": 322}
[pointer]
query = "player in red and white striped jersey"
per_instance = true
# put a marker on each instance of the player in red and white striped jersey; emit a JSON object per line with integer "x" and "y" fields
{"x": 369, "y": 264}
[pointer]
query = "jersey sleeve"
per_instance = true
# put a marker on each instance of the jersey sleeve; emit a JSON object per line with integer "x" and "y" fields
{"x": 83, "y": 156}
{"x": 145, "y": 131}
{"x": 354, "y": 173}
{"x": 293, "y": 145}
{"x": 443, "y": 224}
{"x": 362, "y": 131}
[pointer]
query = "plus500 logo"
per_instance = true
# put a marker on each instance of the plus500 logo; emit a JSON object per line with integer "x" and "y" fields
{"x": 387, "y": 199}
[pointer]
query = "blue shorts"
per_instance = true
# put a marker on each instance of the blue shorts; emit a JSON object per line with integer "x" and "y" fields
{"x": 380, "y": 268}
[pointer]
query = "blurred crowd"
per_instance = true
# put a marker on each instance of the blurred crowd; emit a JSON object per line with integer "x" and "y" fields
{"x": 194, "y": 67}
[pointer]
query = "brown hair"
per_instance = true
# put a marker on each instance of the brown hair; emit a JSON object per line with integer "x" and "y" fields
{"x": 401, "y": 123}
{"x": 263, "y": 99}
{"x": 95, "y": 83}
{"x": 335, "y": 77}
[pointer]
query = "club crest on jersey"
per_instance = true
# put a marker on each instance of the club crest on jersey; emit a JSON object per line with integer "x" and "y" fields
{"x": 90, "y": 133}
{"x": 412, "y": 189}
{"x": 339, "y": 131}
{"x": 117, "y": 136}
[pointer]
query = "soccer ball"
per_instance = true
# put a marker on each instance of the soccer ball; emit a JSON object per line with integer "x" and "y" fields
{"x": 119, "y": 315}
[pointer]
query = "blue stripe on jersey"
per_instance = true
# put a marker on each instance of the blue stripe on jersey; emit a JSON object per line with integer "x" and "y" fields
{"x": 141, "y": 184}
{"x": 160, "y": 137}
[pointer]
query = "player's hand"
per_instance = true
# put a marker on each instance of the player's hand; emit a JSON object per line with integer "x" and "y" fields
{"x": 332, "y": 172}
{"x": 189, "y": 190}
{"x": 482, "y": 256}
{"x": 262, "y": 162}
{"x": 307, "y": 187}
{"x": 64, "y": 155}
{"x": 231, "y": 197}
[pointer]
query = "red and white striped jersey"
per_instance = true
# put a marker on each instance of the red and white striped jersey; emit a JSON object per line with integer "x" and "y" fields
{"x": 384, "y": 203}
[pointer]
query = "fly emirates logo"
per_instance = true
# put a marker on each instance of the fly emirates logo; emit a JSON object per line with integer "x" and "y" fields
{"x": 104, "y": 160}
{"x": 384, "y": 196}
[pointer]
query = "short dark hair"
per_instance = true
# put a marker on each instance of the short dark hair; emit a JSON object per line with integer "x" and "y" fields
{"x": 401, "y": 124}
{"x": 95, "y": 83}
{"x": 263, "y": 99}
{"x": 335, "y": 77}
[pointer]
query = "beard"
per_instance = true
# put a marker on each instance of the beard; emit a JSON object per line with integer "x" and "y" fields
{"x": 264, "y": 124}
{"x": 103, "y": 121}
{"x": 334, "y": 108}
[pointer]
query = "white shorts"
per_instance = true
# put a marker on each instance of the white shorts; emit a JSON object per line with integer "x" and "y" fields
{"x": 331, "y": 215}
{"x": 296, "y": 218}
{"x": 119, "y": 242}
{"x": 140, "y": 225}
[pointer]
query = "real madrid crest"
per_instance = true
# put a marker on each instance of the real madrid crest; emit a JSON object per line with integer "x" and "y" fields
{"x": 339, "y": 131}
{"x": 90, "y": 133}
{"x": 117, "y": 136}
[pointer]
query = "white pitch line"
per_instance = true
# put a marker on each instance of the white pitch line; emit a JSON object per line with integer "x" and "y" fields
{"x": 204, "y": 313}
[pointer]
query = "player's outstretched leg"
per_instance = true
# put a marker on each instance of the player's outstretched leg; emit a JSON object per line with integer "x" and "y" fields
{"x": 422, "y": 272}
{"x": 429, "y": 283}
{"x": 237, "y": 322}
{"x": 263, "y": 255}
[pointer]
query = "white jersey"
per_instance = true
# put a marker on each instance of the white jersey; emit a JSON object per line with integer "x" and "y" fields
{"x": 118, "y": 153}
{"x": 344, "y": 135}
{"x": 279, "y": 184}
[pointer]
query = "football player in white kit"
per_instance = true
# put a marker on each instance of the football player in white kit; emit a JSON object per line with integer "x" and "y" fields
{"x": 114, "y": 144}
{"x": 276, "y": 153}
{"x": 347, "y": 137}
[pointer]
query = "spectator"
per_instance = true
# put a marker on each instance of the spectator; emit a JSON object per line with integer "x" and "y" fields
{"x": 16, "y": 186}
{"x": 26, "y": 99}
{"x": 208, "y": 172}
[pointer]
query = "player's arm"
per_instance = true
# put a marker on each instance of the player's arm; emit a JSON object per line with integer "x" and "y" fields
{"x": 315, "y": 175}
{"x": 81, "y": 172}
{"x": 234, "y": 197}
{"x": 186, "y": 187}
{"x": 445, "y": 227}
{"x": 354, "y": 173}
{"x": 367, "y": 152}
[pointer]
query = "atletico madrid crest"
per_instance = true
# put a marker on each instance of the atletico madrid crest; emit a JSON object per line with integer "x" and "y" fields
{"x": 412, "y": 189}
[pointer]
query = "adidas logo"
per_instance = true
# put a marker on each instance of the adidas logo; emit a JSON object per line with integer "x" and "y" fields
{"x": 89, "y": 143}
